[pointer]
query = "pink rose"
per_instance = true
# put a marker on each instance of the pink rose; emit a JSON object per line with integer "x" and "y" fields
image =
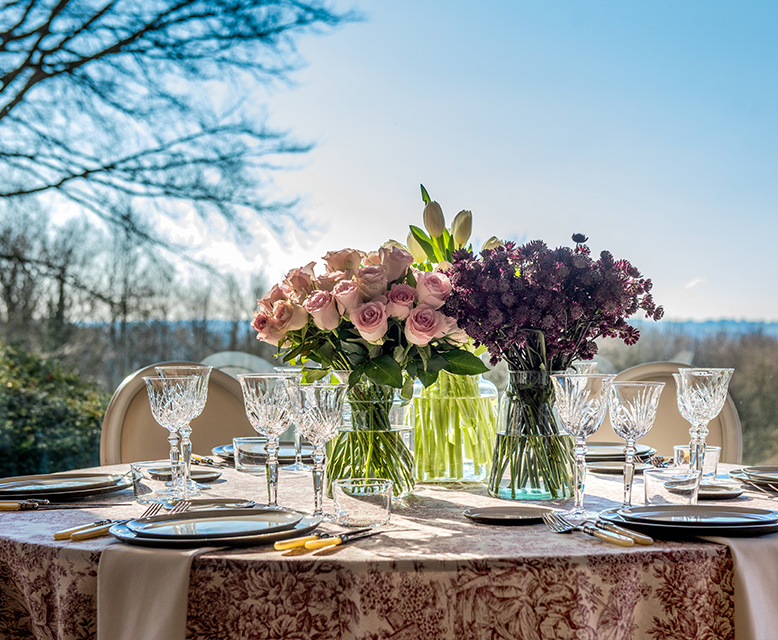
{"x": 424, "y": 324}
{"x": 347, "y": 260}
{"x": 323, "y": 309}
{"x": 401, "y": 298}
{"x": 396, "y": 261}
{"x": 370, "y": 320}
{"x": 266, "y": 328}
{"x": 289, "y": 316}
{"x": 432, "y": 288}
{"x": 346, "y": 294}
{"x": 372, "y": 281}
{"x": 330, "y": 279}
{"x": 271, "y": 297}
{"x": 300, "y": 281}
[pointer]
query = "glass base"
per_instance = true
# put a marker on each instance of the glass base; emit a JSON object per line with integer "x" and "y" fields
{"x": 511, "y": 493}
{"x": 297, "y": 466}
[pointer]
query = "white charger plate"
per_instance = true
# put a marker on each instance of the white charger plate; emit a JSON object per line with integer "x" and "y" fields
{"x": 763, "y": 474}
{"x": 218, "y": 523}
{"x": 304, "y": 526}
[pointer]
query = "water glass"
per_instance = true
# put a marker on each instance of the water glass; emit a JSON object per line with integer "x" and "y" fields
{"x": 362, "y": 502}
{"x": 250, "y": 454}
{"x": 710, "y": 462}
{"x": 671, "y": 486}
{"x": 151, "y": 481}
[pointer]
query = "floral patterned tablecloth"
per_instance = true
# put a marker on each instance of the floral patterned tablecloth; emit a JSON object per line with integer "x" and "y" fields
{"x": 433, "y": 574}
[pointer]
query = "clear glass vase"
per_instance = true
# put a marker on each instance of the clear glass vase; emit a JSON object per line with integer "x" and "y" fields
{"x": 532, "y": 459}
{"x": 454, "y": 428}
{"x": 376, "y": 439}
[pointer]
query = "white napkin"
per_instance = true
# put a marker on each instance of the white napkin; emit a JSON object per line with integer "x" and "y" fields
{"x": 756, "y": 585}
{"x": 142, "y": 593}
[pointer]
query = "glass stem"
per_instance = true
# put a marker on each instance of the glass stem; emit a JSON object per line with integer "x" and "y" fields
{"x": 272, "y": 471}
{"x": 580, "y": 473}
{"x": 175, "y": 460}
{"x": 298, "y": 448}
{"x": 318, "y": 480}
{"x": 698, "y": 432}
{"x": 629, "y": 472}
{"x": 186, "y": 458}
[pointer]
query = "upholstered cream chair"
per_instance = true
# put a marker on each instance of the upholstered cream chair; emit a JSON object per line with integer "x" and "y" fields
{"x": 670, "y": 428}
{"x": 130, "y": 432}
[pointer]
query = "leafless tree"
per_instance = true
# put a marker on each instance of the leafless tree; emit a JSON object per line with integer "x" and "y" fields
{"x": 147, "y": 101}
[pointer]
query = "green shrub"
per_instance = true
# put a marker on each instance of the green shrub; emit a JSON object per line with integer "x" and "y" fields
{"x": 49, "y": 418}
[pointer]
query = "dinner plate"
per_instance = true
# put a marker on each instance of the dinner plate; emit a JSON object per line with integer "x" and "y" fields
{"x": 740, "y": 476}
{"x": 206, "y": 504}
{"x": 198, "y": 474}
{"x": 48, "y": 482}
{"x": 612, "y": 451}
{"x": 674, "y": 531}
{"x": 507, "y": 515}
{"x": 719, "y": 492}
{"x": 304, "y": 526}
{"x": 286, "y": 453}
{"x": 65, "y": 489}
{"x": 219, "y": 523}
{"x": 765, "y": 474}
{"x": 700, "y": 515}
{"x": 614, "y": 467}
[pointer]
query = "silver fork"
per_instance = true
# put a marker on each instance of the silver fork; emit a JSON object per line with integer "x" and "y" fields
{"x": 180, "y": 507}
{"x": 102, "y": 529}
{"x": 560, "y": 524}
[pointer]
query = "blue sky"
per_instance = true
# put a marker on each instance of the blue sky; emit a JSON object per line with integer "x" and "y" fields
{"x": 650, "y": 126}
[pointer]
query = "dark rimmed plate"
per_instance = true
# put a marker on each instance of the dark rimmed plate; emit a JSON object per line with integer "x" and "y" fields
{"x": 614, "y": 451}
{"x": 719, "y": 492}
{"x": 675, "y": 532}
{"x": 695, "y": 515}
{"x": 63, "y": 486}
{"x": 304, "y": 526}
{"x": 507, "y": 515}
{"x": 213, "y": 524}
{"x": 286, "y": 453}
{"x": 198, "y": 474}
{"x": 614, "y": 467}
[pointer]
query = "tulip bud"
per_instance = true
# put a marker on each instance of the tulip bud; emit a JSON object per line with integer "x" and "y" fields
{"x": 434, "y": 220}
{"x": 492, "y": 243}
{"x": 462, "y": 227}
{"x": 392, "y": 243}
{"x": 415, "y": 248}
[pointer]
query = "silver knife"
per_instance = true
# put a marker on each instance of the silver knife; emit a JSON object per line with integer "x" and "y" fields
{"x": 21, "y": 505}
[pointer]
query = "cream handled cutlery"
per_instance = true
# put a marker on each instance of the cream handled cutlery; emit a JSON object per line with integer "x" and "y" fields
{"x": 559, "y": 524}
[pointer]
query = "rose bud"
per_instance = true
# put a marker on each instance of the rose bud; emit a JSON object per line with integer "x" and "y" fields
{"x": 462, "y": 227}
{"x": 434, "y": 220}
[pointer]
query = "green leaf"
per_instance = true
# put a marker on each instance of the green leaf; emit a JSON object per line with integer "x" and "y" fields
{"x": 464, "y": 363}
{"x": 407, "y": 390}
{"x": 385, "y": 370}
{"x": 424, "y": 195}
{"x": 427, "y": 377}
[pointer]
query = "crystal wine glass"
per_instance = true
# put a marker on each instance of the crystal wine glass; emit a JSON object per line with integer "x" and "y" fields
{"x": 633, "y": 407}
{"x": 701, "y": 397}
{"x": 581, "y": 403}
{"x": 269, "y": 411}
{"x": 171, "y": 400}
{"x": 202, "y": 373}
{"x": 320, "y": 412}
{"x": 298, "y": 464}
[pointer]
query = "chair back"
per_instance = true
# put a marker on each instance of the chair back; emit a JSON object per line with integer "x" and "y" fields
{"x": 669, "y": 427}
{"x": 130, "y": 433}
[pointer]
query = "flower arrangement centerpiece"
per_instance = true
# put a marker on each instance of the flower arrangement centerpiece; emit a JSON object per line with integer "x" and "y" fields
{"x": 540, "y": 309}
{"x": 454, "y": 417}
{"x": 374, "y": 317}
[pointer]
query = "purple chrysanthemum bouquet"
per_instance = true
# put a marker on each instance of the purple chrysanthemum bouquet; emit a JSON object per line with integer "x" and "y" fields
{"x": 540, "y": 309}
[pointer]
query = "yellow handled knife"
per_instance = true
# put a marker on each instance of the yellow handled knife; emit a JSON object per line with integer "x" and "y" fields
{"x": 343, "y": 538}
{"x": 614, "y": 528}
{"x": 283, "y": 545}
{"x": 66, "y": 533}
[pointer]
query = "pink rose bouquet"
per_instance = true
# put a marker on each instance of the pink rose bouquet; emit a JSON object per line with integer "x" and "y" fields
{"x": 371, "y": 314}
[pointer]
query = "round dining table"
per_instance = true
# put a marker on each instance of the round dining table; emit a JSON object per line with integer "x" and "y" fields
{"x": 431, "y": 573}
